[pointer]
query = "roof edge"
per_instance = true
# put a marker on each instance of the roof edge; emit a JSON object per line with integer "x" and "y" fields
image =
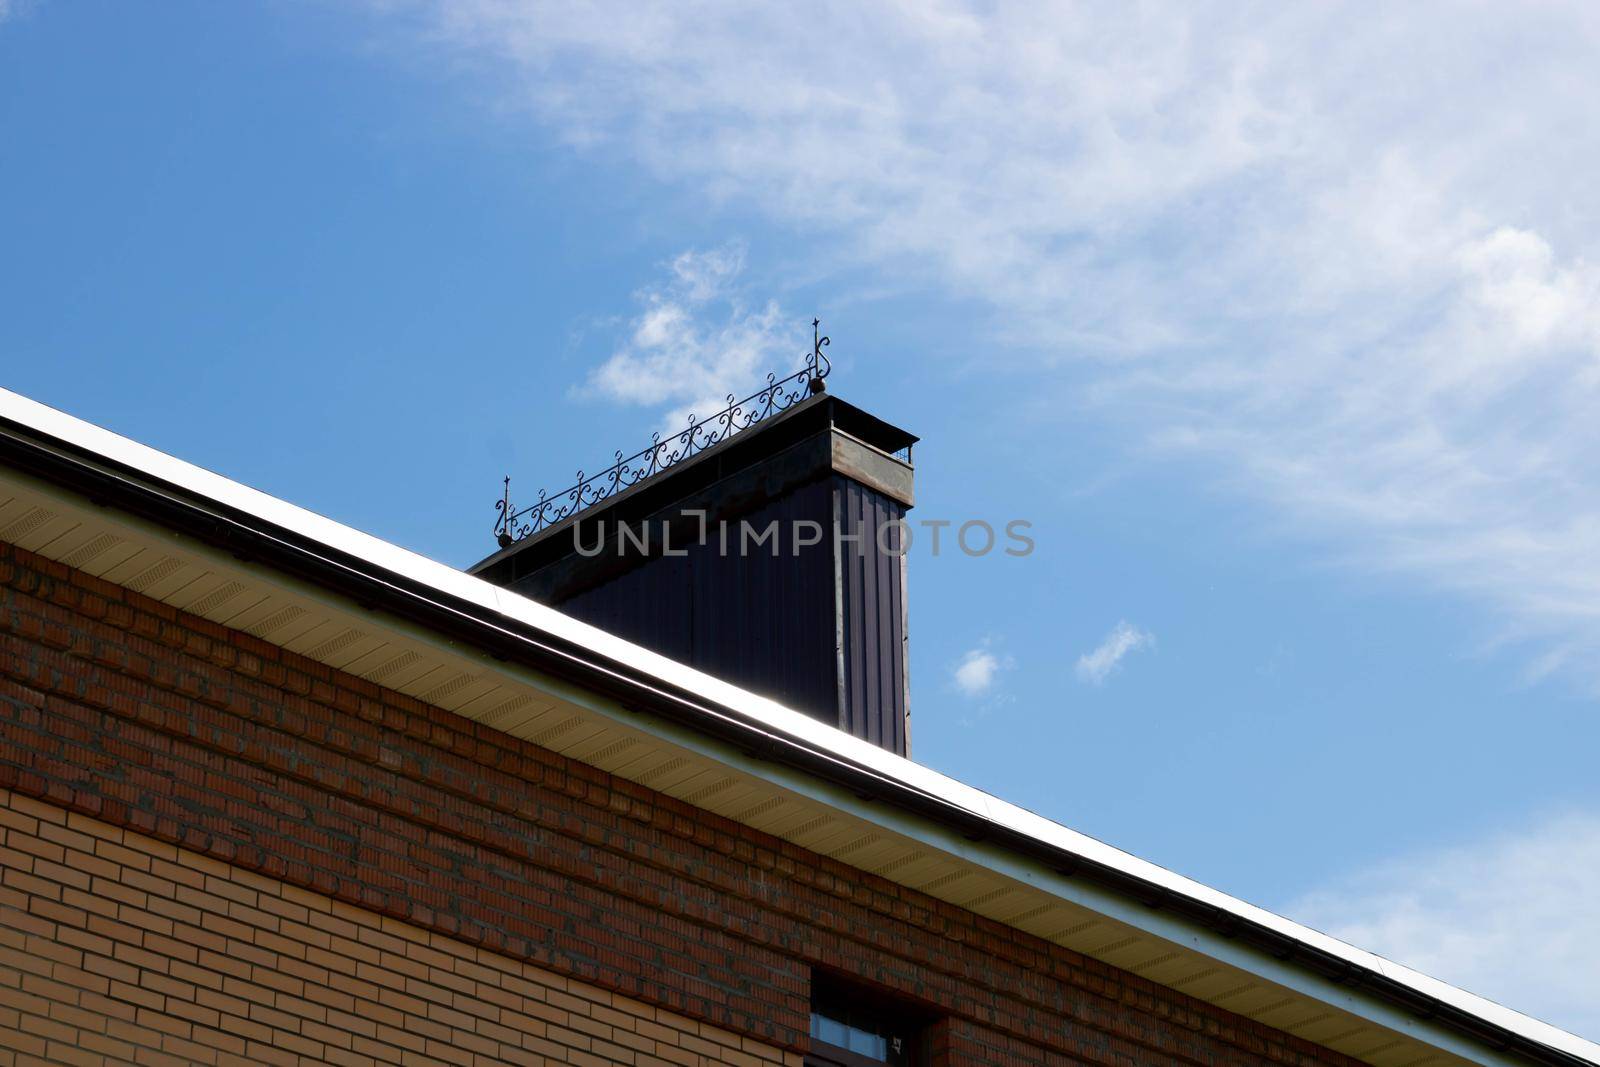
{"x": 114, "y": 470}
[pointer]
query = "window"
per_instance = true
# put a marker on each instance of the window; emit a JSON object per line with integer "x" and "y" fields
{"x": 853, "y": 1027}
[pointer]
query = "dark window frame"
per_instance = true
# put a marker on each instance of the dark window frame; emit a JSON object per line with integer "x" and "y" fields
{"x": 844, "y": 1001}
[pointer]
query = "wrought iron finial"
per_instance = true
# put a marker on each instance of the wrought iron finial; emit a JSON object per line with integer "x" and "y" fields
{"x": 778, "y": 394}
{"x": 817, "y": 364}
{"x": 502, "y": 526}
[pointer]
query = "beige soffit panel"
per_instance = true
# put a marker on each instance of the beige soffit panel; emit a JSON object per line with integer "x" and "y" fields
{"x": 771, "y": 797}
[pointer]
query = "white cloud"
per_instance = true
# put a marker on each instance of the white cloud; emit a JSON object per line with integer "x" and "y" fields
{"x": 16, "y": 8}
{"x": 1099, "y": 664}
{"x": 1511, "y": 918}
{"x": 695, "y": 342}
{"x": 976, "y": 671}
{"x": 1344, "y": 255}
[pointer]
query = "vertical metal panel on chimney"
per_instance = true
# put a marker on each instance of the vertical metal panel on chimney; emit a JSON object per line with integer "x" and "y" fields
{"x": 820, "y": 627}
{"x": 872, "y": 613}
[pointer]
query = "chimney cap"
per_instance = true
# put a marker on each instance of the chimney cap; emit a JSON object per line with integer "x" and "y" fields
{"x": 778, "y": 396}
{"x": 815, "y": 413}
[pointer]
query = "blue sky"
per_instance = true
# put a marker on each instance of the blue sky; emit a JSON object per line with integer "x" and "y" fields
{"x": 1281, "y": 327}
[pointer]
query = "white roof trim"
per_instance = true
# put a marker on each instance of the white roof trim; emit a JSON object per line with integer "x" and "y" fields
{"x": 202, "y": 483}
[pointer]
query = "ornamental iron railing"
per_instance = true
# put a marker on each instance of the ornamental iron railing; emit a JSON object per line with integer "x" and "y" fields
{"x": 778, "y": 394}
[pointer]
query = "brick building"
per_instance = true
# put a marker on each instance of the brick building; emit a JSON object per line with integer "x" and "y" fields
{"x": 274, "y": 791}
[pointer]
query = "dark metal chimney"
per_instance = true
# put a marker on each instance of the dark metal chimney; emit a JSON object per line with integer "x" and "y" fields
{"x": 768, "y": 555}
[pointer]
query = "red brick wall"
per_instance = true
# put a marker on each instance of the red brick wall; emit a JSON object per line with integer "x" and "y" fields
{"x": 120, "y": 708}
{"x": 116, "y": 947}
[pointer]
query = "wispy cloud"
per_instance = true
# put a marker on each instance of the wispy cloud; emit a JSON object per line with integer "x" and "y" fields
{"x": 695, "y": 340}
{"x": 1096, "y": 666}
{"x": 976, "y": 671}
{"x": 1511, "y": 917}
{"x": 1342, "y": 255}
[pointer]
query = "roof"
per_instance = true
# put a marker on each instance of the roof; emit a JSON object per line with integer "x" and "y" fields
{"x": 110, "y": 505}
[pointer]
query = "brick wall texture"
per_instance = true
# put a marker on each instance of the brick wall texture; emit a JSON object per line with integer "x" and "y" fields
{"x": 216, "y": 848}
{"x": 116, "y": 947}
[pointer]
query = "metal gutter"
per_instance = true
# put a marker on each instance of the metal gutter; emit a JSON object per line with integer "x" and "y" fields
{"x": 113, "y": 471}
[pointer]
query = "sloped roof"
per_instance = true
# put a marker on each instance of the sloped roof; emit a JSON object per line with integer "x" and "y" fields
{"x": 239, "y": 553}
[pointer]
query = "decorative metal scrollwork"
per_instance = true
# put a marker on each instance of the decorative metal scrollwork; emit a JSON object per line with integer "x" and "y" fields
{"x": 778, "y": 394}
